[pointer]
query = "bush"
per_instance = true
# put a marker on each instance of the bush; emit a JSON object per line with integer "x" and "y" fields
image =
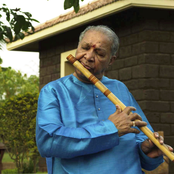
{"x": 28, "y": 167}
{"x": 18, "y": 120}
{"x": 10, "y": 171}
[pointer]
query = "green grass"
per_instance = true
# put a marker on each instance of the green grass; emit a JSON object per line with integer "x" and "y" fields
{"x": 6, "y": 158}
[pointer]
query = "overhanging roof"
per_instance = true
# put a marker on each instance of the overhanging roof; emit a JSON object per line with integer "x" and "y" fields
{"x": 96, "y": 10}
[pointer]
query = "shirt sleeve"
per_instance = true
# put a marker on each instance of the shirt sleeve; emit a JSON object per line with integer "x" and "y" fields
{"x": 147, "y": 163}
{"x": 56, "y": 140}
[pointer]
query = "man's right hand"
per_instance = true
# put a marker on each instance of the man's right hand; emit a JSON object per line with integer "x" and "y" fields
{"x": 123, "y": 120}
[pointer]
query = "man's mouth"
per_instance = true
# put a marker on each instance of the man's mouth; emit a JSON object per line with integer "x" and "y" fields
{"x": 86, "y": 66}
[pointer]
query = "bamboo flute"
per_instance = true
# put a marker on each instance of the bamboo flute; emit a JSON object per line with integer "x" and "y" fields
{"x": 115, "y": 101}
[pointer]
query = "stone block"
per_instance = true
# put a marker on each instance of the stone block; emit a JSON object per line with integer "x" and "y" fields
{"x": 55, "y": 59}
{"x": 166, "y": 71}
{"x": 43, "y": 54}
{"x": 125, "y": 51}
{"x": 47, "y": 79}
{"x": 172, "y": 59}
{"x": 132, "y": 84}
{"x": 167, "y": 117}
{"x": 150, "y": 47}
{"x": 159, "y": 59}
{"x": 158, "y": 106}
{"x": 146, "y": 70}
{"x": 153, "y": 117}
{"x": 131, "y": 61}
{"x": 124, "y": 31}
{"x": 166, "y": 25}
{"x": 151, "y": 24}
{"x": 112, "y": 74}
{"x": 162, "y": 127}
{"x": 169, "y": 140}
{"x": 154, "y": 83}
{"x": 43, "y": 71}
{"x": 55, "y": 76}
{"x": 59, "y": 49}
{"x": 118, "y": 64}
{"x": 172, "y": 36}
{"x": 166, "y": 48}
{"x": 51, "y": 52}
{"x": 172, "y": 129}
{"x": 138, "y": 48}
{"x": 146, "y": 94}
{"x": 145, "y": 47}
{"x": 172, "y": 106}
{"x": 51, "y": 69}
{"x": 125, "y": 74}
{"x": 167, "y": 95}
{"x": 128, "y": 40}
{"x": 153, "y": 35}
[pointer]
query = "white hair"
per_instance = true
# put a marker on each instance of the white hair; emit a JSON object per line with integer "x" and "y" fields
{"x": 108, "y": 32}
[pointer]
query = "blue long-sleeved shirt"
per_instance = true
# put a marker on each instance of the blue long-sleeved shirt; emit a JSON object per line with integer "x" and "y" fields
{"x": 74, "y": 134}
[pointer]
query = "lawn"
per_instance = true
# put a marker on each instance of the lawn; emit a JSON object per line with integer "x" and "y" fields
{"x": 6, "y": 158}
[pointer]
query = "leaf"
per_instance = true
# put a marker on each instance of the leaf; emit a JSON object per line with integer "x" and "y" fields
{"x": 68, "y": 4}
{"x": 8, "y": 16}
{"x": 76, "y": 5}
{"x": 21, "y": 35}
{"x": 34, "y": 20}
{"x": 20, "y": 22}
{"x": 28, "y": 14}
{"x": 9, "y": 33}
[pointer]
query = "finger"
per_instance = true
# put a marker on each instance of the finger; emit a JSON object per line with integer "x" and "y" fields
{"x": 128, "y": 109}
{"x": 133, "y": 130}
{"x": 160, "y": 138}
{"x": 140, "y": 123}
{"x": 118, "y": 109}
{"x": 135, "y": 116}
{"x": 169, "y": 147}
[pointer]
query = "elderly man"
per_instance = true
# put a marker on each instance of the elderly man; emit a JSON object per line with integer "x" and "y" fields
{"x": 80, "y": 131}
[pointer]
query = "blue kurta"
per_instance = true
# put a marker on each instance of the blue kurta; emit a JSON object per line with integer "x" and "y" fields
{"x": 74, "y": 134}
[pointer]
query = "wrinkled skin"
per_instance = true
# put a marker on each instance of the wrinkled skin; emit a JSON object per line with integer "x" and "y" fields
{"x": 94, "y": 53}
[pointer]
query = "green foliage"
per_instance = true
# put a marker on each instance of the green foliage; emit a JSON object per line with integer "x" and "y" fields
{"x": 72, "y": 3}
{"x": 28, "y": 167}
{"x": 18, "y": 120}
{"x": 13, "y": 82}
{"x": 17, "y": 21}
{"x": 10, "y": 171}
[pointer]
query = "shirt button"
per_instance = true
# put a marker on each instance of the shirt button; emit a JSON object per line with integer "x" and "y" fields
{"x": 96, "y": 96}
{"x": 99, "y": 109}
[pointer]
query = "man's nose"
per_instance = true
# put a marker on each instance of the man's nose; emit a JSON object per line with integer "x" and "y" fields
{"x": 90, "y": 55}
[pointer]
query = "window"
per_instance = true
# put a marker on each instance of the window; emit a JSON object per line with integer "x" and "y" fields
{"x": 66, "y": 67}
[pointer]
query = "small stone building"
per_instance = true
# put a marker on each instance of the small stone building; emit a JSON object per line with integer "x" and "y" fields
{"x": 146, "y": 55}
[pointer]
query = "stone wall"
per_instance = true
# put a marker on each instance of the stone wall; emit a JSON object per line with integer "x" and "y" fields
{"x": 145, "y": 62}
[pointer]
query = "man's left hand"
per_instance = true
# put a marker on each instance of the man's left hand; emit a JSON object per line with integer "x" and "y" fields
{"x": 151, "y": 150}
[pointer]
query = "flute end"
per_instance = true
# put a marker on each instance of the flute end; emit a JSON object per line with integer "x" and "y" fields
{"x": 71, "y": 58}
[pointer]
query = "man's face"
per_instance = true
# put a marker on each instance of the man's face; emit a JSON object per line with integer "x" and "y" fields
{"x": 94, "y": 53}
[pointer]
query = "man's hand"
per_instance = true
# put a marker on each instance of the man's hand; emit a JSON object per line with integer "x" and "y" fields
{"x": 150, "y": 149}
{"x": 123, "y": 120}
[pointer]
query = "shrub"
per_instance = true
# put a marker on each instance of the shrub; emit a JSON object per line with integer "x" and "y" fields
{"x": 18, "y": 120}
{"x": 10, "y": 171}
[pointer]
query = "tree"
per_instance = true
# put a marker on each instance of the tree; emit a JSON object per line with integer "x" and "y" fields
{"x": 16, "y": 24}
{"x": 18, "y": 120}
{"x": 13, "y": 82}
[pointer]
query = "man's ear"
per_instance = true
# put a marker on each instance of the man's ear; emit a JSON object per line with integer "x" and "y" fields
{"x": 112, "y": 60}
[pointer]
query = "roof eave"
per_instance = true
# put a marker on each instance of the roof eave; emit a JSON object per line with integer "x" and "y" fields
{"x": 109, "y": 9}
